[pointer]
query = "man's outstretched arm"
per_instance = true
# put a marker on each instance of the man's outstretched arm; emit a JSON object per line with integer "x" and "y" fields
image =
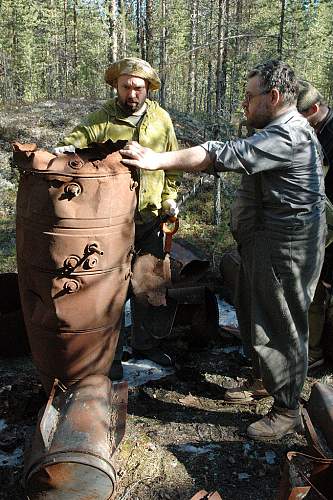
{"x": 190, "y": 160}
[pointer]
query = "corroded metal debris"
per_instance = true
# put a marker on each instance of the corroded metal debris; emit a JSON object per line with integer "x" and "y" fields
{"x": 320, "y": 409}
{"x": 304, "y": 475}
{"x": 188, "y": 265}
{"x": 195, "y": 303}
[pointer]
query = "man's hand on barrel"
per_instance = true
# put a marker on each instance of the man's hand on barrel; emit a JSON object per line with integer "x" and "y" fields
{"x": 138, "y": 156}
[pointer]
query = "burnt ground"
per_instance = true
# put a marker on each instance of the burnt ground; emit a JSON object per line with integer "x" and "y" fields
{"x": 181, "y": 436}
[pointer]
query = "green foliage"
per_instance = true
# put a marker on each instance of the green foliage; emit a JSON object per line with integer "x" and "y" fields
{"x": 53, "y": 49}
{"x": 196, "y": 226}
{"x": 56, "y": 49}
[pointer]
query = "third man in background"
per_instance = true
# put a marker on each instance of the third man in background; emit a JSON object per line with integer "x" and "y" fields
{"x": 313, "y": 106}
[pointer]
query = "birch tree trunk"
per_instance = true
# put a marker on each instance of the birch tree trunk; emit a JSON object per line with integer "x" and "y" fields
{"x": 222, "y": 53}
{"x": 210, "y": 64}
{"x": 113, "y": 38}
{"x": 163, "y": 52}
{"x": 217, "y": 200}
{"x": 221, "y": 75}
{"x": 196, "y": 44}
{"x": 149, "y": 31}
{"x": 191, "y": 70}
{"x": 65, "y": 62}
{"x": 140, "y": 32}
{"x": 122, "y": 45}
{"x": 75, "y": 47}
{"x": 281, "y": 31}
{"x": 234, "y": 91}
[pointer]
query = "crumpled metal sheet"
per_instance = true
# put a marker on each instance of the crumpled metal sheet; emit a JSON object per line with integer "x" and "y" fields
{"x": 150, "y": 279}
{"x": 75, "y": 235}
{"x": 187, "y": 266}
{"x": 197, "y": 307}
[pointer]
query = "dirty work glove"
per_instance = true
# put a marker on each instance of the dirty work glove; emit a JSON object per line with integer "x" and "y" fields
{"x": 63, "y": 149}
{"x": 169, "y": 207}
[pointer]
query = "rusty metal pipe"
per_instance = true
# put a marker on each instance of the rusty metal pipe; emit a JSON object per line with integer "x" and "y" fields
{"x": 76, "y": 436}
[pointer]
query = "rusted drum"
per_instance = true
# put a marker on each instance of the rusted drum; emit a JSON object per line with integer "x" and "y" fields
{"x": 75, "y": 234}
{"x": 75, "y": 438}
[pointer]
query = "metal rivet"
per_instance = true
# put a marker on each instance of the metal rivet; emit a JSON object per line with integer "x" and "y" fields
{"x": 91, "y": 262}
{"x": 72, "y": 262}
{"x": 72, "y": 286}
{"x": 73, "y": 189}
{"x": 76, "y": 164}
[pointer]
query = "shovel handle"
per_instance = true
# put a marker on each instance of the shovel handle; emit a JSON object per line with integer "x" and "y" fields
{"x": 169, "y": 232}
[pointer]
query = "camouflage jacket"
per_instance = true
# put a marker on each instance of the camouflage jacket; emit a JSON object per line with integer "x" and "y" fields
{"x": 155, "y": 131}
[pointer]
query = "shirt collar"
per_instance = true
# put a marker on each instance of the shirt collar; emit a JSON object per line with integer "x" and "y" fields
{"x": 285, "y": 117}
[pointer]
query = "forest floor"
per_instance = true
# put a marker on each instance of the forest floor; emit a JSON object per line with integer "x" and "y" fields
{"x": 181, "y": 436}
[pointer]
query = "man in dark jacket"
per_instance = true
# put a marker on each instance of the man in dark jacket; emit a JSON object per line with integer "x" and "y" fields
{"x": 278, "y": 220}
{"x": 312, "y": 105}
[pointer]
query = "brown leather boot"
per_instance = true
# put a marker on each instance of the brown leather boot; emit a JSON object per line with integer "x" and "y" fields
{"x": 246, "y": 392}
{"x": 277, "y": 423}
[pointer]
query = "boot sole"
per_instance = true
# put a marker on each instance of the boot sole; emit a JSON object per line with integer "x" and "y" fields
{"x": 298, "y": 430}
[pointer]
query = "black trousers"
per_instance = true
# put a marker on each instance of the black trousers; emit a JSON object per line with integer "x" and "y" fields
{"x": 277, "y": 281}
{"x": 151, "y": 275}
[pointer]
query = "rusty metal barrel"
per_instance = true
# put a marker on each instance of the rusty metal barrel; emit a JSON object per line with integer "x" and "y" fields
{"x": 75, "y": 234}
{"x": 76, "y": 435}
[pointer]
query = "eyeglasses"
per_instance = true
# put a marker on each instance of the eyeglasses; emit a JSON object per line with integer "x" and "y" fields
{"x": 248, "y": 96}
